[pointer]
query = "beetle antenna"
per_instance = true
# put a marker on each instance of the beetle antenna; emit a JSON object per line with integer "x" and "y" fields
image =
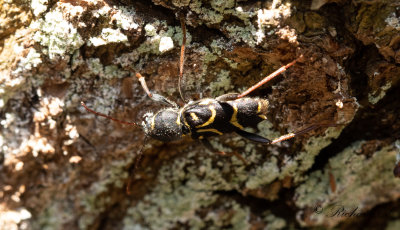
{"x": 132, "y": 168}
{"x": 140, "y": 155}
{"x": 182, "y": 58}
{"x": 269, "y": 77}
{"x": 300, "y": 132}
{"x": 108, "y": 117}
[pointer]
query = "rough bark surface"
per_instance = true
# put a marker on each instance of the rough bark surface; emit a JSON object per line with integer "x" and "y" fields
{"x": 64, "y": 168}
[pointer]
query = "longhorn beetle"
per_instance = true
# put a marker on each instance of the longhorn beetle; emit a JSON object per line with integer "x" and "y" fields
{"x": 207, "y": 117}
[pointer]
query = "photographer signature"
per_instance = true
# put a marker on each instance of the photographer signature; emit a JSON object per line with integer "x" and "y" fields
{"x": 338, "y": 210}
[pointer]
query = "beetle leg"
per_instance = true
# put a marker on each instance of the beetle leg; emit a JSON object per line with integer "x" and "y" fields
{"x": 262, "y": 140}
{"x": 182, "y": 57}
{"x": 154, "y": 96}
{"x": 227, "y": 97}
{"x": 308, "y": 129}
{"x": 208, "y": 146}
{"x": 253, "y": 137}
{"x": 269, "y": 77}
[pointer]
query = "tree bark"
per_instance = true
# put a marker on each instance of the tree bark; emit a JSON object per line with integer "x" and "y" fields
{"x": 65, "y": 168}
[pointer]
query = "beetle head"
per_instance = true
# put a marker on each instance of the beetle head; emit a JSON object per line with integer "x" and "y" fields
{"x": 164, "y": 125}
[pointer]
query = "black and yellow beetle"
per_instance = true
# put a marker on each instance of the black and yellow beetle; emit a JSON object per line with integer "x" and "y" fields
{"x": 207, "y": 117}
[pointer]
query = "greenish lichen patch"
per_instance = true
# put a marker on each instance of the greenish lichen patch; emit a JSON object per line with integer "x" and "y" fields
{"x": 222, "y": 84}
{"x": 93, "y": 201}
{"x": 356, "y": 185}
{"x": 9, "y": 85}
{"x": 125, "y": 17}
{"x": 393, "y": 225}
{"x": 47, "y": 220}
{"x": 235, "y": 216}
{"x": 269, "y": 19}
{"x": 166, "y": 44}
{"x": 106, "y": 72}
{"x": 56, "y": 34}
{"x": 393, "y": 21}
{"x": 374, "y": 97}
{"x": 181, "y": 205}
{"x": 152, "y": 44}
{"x": 314, "y": 146}
{"x": 150, "y": 30}
{"x": 104, "y": 99}
{"x": 121, "y": 17}
{"x": 263, "y": 174}
{"x": 39, "y": 6}
{"x": 161, "y": 210}
{"x": 273, "y": 222}
{"x": 172, "y": 202}
{"x": 222, "y": 5}
{"x": 109, "y": 35}
{"x": 242, "y": 34}
{"x": 31, "y": 60}
{"x": 106, "y": 94}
